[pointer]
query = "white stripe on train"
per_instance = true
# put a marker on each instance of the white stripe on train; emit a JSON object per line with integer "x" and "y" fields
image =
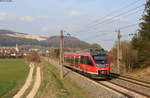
{"x": 95, "y": 73}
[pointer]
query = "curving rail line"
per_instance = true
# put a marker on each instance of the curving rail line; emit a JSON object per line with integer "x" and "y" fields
{"x": 132, "y": 80}
{"x": 134, "y": 92}
{"x": 116, "y": 88}
{"x": 135, "y": 81}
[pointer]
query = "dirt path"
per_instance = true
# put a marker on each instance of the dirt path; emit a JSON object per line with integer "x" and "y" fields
{"x": 27, "y": 83}
{"x": 36, "y": 84}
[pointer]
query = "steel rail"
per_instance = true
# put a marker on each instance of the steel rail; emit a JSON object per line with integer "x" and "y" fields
{"x": 134, "y": 81}
{"x": 111, "y": 88}
{"x": 134, "y": 91}
{"x": 114, "y": 89}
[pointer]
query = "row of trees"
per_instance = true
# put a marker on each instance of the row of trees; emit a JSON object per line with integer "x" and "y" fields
{"x": 141, "y": 42}
{"x": 128, "y": 56}
{"x": 136, "y": 53}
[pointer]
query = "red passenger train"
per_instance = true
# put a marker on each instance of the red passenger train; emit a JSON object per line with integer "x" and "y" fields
{"x": 94, "y": 63}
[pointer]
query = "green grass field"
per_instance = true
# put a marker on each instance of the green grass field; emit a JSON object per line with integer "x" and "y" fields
{"x": 13, "y": 72}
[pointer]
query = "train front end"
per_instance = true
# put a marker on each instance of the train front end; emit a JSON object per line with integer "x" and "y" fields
{"x": 102, "y": 63}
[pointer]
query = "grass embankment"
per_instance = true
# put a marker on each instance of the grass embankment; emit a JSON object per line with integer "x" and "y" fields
{"x": 13, "y": 73}
{"x": 141, "y": 74}
{"x": 53, "y": 87}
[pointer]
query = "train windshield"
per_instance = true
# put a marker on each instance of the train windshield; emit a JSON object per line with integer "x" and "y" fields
{"x": 101, "y": 61}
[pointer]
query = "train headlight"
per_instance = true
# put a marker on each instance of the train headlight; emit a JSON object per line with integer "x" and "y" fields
{"x": 102, "y": 65}
{"x": 102, "y": 72}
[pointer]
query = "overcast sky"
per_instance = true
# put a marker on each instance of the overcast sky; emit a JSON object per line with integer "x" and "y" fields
{"x": 77, "y": 17}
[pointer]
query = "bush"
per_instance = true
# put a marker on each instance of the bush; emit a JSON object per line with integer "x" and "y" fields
{"x": 33, "y": 56}
{"x": 129, "y": 58}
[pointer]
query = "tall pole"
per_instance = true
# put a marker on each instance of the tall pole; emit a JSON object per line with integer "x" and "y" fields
{"x": 118, "y": 51}
{"x": 61, "y": 52}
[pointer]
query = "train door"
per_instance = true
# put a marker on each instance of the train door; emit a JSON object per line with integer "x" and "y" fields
{"x": 82, "y": 61}
{"x": 89, "y": 64}
{"x": 77, "y": 61}
{"x": 86, "y": 63}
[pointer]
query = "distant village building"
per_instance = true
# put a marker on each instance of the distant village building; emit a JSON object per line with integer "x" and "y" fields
{"x": 17, "y": 48}
{"x": 12, "y": 52}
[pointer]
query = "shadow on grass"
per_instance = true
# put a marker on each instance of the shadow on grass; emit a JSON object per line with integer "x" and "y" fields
{"x": 66, "y": 73}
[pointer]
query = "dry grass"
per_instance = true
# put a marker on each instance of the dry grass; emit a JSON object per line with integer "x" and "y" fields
{"x": 142, "y": 74}
{"x": 53, "y": 87}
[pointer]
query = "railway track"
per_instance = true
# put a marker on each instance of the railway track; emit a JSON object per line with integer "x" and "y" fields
{"x": 130, "y": 92}
{"x": 131, "y": 80}
{"x": 137, "y": 86}
{"x": 135, "y": 81}
{"x": 127, "y": 92}
{"x": 116, "y": 88}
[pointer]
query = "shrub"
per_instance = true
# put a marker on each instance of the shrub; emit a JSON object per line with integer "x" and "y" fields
{"x": 33, "y": 56}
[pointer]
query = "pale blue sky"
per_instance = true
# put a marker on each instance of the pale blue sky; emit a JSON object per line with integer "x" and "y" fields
{"x": 47, "y": 17}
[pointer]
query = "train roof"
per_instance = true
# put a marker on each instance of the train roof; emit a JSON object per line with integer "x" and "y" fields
{"x": 92, "y": 52}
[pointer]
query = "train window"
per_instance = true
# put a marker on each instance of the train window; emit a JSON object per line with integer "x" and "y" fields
{"x": 82, "y": 60}
{"x": 68, "y": 59}
{"x": 79, "y": 60}
{"x": 101, "y": 59}
{"x": 76, "y": 61}
{"x": 72, "y": 60}
{"x": 88, "y": 61}
{"x": 65, "y": 59}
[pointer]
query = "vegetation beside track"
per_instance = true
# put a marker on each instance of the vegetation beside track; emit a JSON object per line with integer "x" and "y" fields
{"x": 135, "y": 54}
{"x": 143, "y": 74}
{"x": 13, "y": 73}
{"x": 53, "y": 87}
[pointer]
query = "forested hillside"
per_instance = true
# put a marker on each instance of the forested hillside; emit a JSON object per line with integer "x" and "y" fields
{"x": 10, "y": 38}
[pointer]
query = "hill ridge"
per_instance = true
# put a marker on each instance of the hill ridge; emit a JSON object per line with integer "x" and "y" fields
{"x": 10, "y": 38}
